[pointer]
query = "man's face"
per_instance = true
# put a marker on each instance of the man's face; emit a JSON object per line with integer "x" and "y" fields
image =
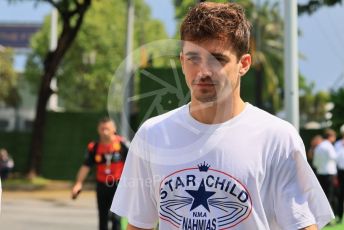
{"x": 332, "y": 138}
{"x": 106, "y": 130}
{"x": 212, "y": 70}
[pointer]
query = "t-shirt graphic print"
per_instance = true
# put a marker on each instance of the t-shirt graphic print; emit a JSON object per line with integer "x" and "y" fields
{"x": 203, "y": 198}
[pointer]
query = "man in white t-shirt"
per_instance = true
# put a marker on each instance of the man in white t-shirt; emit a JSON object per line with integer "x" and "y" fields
{"x": 218, "y": 162}
{"x": 325, "y": 163}
{"x": 339, "y": 147}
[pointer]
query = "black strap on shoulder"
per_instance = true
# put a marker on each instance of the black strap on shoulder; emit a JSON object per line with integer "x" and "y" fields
{"x": 95, "y": 148}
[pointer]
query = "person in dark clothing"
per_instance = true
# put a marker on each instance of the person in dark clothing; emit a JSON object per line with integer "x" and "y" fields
{"x": 6, "y": 164}
{"x": 108, "y": 155}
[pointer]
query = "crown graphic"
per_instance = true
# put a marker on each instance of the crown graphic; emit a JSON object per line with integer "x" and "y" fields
{"x": 203, "y": 167}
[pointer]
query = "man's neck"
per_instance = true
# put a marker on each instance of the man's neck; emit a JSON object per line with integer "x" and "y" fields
{"x": 107, "y": 141}
{"x": 216, "y": 112}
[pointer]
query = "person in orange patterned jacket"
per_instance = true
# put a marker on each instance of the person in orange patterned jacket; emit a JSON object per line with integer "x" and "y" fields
{"x": 108, "y": 155}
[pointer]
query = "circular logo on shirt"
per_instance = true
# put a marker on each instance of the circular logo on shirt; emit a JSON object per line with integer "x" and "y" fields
{"x": 203, "y": 198}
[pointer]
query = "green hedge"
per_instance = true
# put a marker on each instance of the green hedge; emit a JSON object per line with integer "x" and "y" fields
{"x": 17, "y": 145}
{"x": 65, "y": 140}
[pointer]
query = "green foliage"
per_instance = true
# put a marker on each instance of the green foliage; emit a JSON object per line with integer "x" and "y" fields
{"x": 267, "y": 51}
{"x": 88, "y": 68}
{"x": 337, "y": 97}
{"x": 312, "y": 104}
{"x": 8, "y": 79}
{"x": 313, "y": 5}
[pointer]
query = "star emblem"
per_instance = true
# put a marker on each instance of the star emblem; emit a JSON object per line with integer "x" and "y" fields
{"x": 200, "y": 197}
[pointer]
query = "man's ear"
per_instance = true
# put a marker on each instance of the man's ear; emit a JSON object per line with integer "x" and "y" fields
{"x": 245, "y": 62}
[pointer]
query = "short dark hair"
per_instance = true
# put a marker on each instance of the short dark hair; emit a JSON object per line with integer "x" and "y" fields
{"x": 328, "y": 133}
{"x": 105, "y": 120}
{"x": 223, "y": 21}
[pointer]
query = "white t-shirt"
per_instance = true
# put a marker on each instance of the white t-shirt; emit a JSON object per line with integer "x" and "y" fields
{"x": 325, "y": 159}
{"x": 339, "y": 147}
{"x": 247, "y": 173}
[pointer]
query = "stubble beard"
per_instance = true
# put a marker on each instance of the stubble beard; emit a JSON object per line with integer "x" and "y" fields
{"x": 214, "y": 96}
{"x": 206, "y": 97}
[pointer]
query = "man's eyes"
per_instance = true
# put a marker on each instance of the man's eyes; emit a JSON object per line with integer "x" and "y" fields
{"x": 221, "y": 60}
{"x": 194, "y": 58}
{"x": 211, "y": 60}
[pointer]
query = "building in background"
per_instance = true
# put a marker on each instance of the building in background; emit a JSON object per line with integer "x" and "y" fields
{"x": 17, "y": 37}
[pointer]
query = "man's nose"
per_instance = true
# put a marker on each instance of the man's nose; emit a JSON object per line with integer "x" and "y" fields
{"x": 205, "y": 69}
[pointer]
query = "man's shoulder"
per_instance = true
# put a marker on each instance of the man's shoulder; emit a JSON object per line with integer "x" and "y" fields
{"x": 122, "y": 140}
{"x": 119, "y": 138}
{"x": 155, "y": 127}
{"x": 263, "y": 120}
{"x": 91, "y": 145}
{"x": 339, "y": 144}
{"x": 324, "y": 145}
{"x": 163, "y": 119}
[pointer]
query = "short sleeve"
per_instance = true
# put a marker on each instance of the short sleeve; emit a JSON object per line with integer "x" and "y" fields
{"x": 299, "y": 200}
{"x": 134, "y": 198}
{"x": 89, "y": 154}
{"x": 332, "y": 152}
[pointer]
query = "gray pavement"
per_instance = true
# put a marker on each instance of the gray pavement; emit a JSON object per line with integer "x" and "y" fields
{"x": 48, "y": 210}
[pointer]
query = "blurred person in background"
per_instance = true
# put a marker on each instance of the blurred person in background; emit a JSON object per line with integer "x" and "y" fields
{"x": 6, "y": 164}
{"x": 339, "y": 147}
{"x": 316, "y": 140}
{"x": 325, "y": 163}
{"x": 108, "y": 155}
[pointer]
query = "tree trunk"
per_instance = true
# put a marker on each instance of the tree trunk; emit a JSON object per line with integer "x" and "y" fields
{"x": 36, "y": 148}
{"x": 51, "y": 63}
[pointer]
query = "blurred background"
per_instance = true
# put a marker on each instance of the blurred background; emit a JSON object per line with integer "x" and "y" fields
{"x": 58, "y": 60}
